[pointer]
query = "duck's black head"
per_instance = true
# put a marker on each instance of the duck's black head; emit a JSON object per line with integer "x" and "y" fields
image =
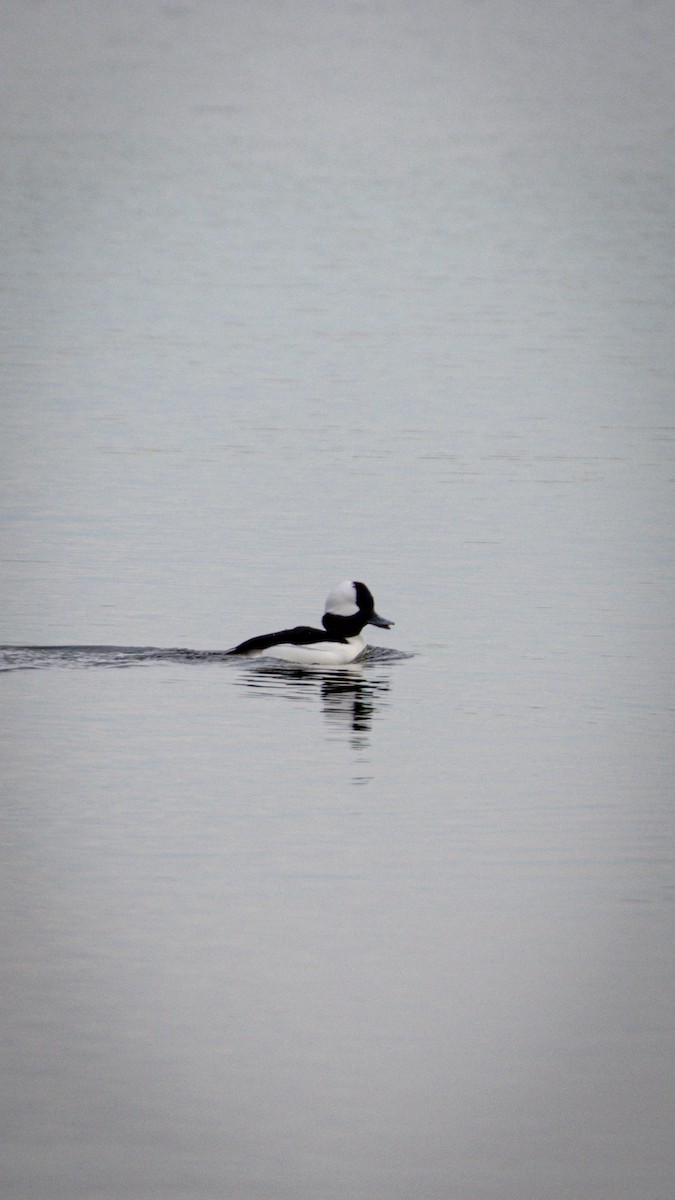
{"x": 349, "y": 607}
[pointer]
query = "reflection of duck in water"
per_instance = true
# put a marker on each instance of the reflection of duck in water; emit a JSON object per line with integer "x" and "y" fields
{"x": 349, "y": 607}
{"x": 349, "y": 697}
{"x": 350, "y": 701}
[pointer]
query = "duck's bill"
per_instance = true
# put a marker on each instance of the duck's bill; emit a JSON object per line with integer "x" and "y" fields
{"x": 381, "y": 621}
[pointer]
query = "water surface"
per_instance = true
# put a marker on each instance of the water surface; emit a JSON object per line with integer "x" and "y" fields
{"x": 294, "y": 294}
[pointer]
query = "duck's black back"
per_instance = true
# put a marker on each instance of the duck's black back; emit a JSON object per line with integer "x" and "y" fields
{"x": 301, "y": 635}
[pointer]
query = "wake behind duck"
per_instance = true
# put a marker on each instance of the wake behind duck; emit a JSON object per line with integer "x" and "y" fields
{"x": 349, "y": 608}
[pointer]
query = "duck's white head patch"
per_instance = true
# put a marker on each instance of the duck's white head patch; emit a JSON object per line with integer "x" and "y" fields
{"x": 342, "y": 600}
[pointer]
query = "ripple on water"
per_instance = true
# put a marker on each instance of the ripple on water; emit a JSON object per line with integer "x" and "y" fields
{"x": 23, "y": 658}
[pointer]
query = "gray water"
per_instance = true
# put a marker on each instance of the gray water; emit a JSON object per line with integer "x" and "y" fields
{"x": 297, "y": 292}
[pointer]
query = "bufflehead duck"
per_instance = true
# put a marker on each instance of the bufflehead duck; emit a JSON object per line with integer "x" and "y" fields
{"x": 349, "y": 607}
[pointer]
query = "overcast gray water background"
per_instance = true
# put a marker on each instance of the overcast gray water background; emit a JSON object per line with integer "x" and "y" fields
{"x": 294, "y": 292}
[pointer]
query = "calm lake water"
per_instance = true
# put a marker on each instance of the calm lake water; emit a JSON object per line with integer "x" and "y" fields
{"x": 298, "y": 292}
